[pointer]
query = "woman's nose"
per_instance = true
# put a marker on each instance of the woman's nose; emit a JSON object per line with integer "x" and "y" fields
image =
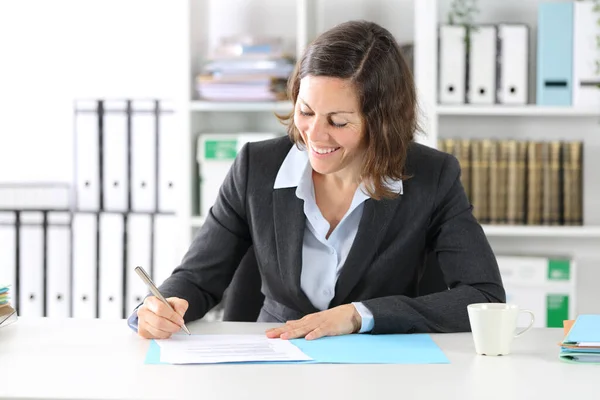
{"x": 317, "y": 130}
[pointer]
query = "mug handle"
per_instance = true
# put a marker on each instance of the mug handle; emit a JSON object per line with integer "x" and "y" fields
{"x": 531, "y": 322}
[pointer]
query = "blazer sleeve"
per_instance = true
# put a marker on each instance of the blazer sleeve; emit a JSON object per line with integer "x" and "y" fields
{"x": 217, "y": 249}
{"x": 465, "y": 258}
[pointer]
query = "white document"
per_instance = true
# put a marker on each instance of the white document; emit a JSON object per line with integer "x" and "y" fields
{"x": 482, "y": 65}
{"x": 31, "y": 268}
{"x": 58, "y": 265}
{"x": 143, "y": 156}
{"x": 85, "y": 265}
{"x": 139, "y": 253}
{"x": 169, "y": 139}
{"x": 585, "y": 53}
{"x": 514, "y": 63}
{"x": 87, "y": 156}
{"x": 452, "y": 64}
{"x": 8, "y": 253}
{"x": 209, "y": 349}
{"x": 115, "y": 157}
{"x": 110, "y": 296}
{"x": 166, "y": 257}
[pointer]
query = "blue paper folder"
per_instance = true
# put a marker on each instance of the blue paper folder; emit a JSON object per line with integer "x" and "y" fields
{"x": 357, "y": 349}
{"x": 585, "y": 329}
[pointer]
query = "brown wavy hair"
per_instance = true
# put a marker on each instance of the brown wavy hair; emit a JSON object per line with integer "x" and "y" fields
{"x": 369, "y": 56}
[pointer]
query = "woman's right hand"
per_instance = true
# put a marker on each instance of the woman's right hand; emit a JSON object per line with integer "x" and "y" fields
{"x": 156, "y": 321}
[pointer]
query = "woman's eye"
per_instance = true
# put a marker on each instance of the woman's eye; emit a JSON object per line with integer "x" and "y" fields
{"x": 331, "y": 122}
{"x": 338, "y": 125}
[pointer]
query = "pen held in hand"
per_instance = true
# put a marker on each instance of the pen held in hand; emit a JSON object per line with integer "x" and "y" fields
{"x": 154, "y": 290}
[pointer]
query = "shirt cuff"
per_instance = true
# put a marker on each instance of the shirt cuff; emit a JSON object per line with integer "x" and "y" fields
{"x": 132, "y": 321}
{"x": 367, "y": 317}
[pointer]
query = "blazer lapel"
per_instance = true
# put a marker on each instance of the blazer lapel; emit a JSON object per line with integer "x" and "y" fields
{"x": 373, "y": 225}
{"x": 288, "y": 214}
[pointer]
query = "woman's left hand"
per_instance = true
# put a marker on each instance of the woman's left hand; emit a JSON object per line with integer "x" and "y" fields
{"x": 336, "y": 321}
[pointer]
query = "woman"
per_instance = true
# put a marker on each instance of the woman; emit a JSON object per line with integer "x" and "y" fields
{"x": 342, "y": 215}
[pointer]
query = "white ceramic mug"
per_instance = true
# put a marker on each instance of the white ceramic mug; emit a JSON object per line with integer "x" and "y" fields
{"x": 493, "y": 326}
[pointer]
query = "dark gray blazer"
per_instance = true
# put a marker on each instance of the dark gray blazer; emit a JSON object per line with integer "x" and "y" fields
{"x": 433, "y": 215}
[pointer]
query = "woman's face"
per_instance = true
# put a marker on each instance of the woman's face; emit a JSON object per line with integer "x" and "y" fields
{"x": 328, "y": 117}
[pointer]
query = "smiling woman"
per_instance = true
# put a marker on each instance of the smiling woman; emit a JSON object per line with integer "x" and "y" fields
{"x": 343, "y": 213}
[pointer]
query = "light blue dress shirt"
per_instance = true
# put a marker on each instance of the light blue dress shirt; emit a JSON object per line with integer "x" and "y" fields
{"x": 323, "y": 258}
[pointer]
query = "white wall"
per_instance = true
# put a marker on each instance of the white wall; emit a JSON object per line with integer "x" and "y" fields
{"x": 55, "y": 51}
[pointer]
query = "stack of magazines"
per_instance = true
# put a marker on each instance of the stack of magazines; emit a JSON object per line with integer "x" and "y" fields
{"x": 246, "y": 69}
{"x": 7, "y": 312}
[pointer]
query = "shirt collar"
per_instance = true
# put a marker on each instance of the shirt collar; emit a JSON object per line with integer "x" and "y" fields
{"x": 292, "y": 169}
{"x": 295, "y": 167}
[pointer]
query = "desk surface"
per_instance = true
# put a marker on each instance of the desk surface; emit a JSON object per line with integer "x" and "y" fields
{"x": 102, "y": 359}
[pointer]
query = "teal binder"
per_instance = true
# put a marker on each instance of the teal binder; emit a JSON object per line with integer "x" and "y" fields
{"x": 555, "y": 54}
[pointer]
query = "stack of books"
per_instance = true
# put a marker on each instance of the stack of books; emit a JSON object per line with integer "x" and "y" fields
{"x": 7, "y": 313}
{"x": 521, "y": 182}
{"x": 582, "y": 340}
{"x": 246, "y": 69}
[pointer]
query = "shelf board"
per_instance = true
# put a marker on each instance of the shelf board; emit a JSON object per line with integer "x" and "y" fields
{"x": 512, "y": 230}
{"x": 530, "y": 110}
{"x": 242, "y": 106}
{"x": 542, "y": 231}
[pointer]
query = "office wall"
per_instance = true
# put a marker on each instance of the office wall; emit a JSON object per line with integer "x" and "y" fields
{"x": 54, "y": 51}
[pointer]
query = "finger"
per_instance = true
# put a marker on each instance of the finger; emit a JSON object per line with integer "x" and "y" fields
{"x": 180, "y": 305}
{"x": 159, "y": 308}
{"x": 147, "y": 317}
{"x": 276, "y": 332}
{"x": 160, "y": 323}
{"x": 289, "y": 325}
{"x": 316, "y": 333}
{"x": 297, "y": 333}
{"x": 272, "y": 333}
{"x": 149, "y": 332}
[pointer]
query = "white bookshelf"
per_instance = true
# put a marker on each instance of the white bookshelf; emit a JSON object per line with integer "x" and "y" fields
{"x": 540, "y": 231}
{"x": 530, "y": 110}
{"x": 527, "y": 122}
{"x": 512, "y": 231}
{"x": 416, "y": 21}
{"x": 306, "y": 18}
{"x": 267, "y": 106}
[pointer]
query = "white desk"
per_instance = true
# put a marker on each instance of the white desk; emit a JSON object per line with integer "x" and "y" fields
{"x": 100, "y": 359}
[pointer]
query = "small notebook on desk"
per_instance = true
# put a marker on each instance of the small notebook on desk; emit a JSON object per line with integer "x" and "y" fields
{"x": 582, "y": 340}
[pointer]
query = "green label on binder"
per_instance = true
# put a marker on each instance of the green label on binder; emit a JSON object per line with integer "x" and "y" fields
{"x": 220, "y": 149}
{"x": 559, "y": 270}
{"x": 557, "y": 310}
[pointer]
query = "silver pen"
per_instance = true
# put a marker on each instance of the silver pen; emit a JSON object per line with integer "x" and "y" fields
{"x": 154, "y": 290}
